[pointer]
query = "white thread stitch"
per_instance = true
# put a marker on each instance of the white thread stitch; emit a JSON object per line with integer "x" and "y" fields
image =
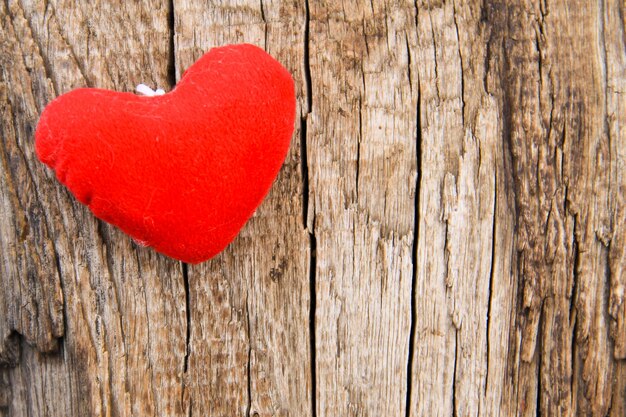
{"x": 148, "y": 92}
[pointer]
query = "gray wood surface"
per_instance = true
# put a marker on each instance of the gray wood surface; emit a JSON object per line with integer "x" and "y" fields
{"x": 447, "y": 236}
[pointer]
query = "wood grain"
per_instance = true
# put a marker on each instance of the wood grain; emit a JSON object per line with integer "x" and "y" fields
{"x": 114, "y": 304}
{"x": 249, "y": 347}
{"x": 446, "y": 237}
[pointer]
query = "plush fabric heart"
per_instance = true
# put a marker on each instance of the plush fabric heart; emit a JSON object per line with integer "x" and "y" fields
{"x": 184, "y": 171}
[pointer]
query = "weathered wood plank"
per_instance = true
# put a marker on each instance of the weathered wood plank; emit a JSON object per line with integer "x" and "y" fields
{"x": 123, "y": 319}
{"x": 550, "y": 104}
{"x": 250, "y": 305}
{"x": 361, "y": 151}
{"x": 555, "y": 119}
{"x": 32, "y": 300}
{"x": 614, "y": 44}
{"x": 457, "y": 204}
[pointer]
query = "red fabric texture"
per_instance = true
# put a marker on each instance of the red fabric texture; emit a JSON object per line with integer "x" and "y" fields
{"x": 184, "y": 171}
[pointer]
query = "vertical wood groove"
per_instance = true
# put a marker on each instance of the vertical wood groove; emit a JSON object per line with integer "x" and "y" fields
{"x": 414, "y": 260}
{"x": 171, "y": 59}
{"x": 309, "y": 224}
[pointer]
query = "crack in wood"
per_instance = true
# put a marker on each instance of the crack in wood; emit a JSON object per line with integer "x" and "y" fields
{"x": 171, "y": 59}
{"x": 309, "y": 223}
{"x": 358, "y": 145}
{"x": 249, "y": 360}
{"x": 185, "y": 276}
{"x": 265, "y": 26}
{"x": 185, "y": 272}
{"x": 491, "y": 276}
{"x": 414, "y": 246}
{"x": 454, "y": 368}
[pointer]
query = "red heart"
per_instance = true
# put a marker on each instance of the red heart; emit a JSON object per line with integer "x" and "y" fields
{"x": 184, "y": 171}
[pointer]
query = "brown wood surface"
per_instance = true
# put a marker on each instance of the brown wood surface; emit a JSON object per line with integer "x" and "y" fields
{"x": 447, "y": 236}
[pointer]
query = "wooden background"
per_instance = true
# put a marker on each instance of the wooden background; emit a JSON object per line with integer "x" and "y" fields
{"x": 447, "y": 236}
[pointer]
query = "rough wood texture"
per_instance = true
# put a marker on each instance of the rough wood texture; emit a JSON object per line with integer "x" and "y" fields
{"x": 447, "y": 235}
